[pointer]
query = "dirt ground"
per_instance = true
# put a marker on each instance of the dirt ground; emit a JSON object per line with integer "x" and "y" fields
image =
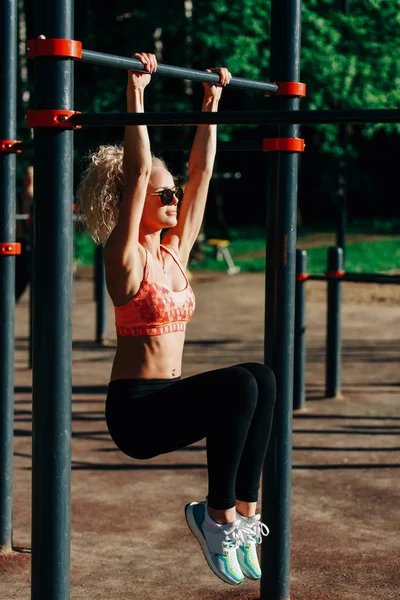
{"x": 129, "y": 537}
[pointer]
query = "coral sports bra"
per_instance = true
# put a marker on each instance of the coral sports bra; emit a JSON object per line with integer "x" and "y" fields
{"x": 155, "y": 309}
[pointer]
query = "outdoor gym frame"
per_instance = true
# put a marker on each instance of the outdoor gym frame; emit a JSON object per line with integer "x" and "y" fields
{"x": 335, "y": 276}
{"x": 52, "y": 286}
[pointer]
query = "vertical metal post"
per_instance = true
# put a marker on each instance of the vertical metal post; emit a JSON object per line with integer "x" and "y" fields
{"x": 8, "y": 130}
{"x": 343, "y": 135}
{"x": 31, "y": 295}
{"x": 100, "y": 293}
{"x": 342, "y": 193}
{"x": 299, "y": 376}
{"x": 333, "y": 336}
{"x": 52, "y": 307}
{"x": 30, "y": 340}
{"x": 280, "y": 297}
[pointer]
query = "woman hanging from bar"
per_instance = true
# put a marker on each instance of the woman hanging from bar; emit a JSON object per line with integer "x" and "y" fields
{"x": 128, "y": 198}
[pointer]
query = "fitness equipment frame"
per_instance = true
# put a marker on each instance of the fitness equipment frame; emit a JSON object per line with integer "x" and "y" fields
{"x": 335, "y": 275}
{"x": 54, "y": 119}
{"x": 8, "y": 249}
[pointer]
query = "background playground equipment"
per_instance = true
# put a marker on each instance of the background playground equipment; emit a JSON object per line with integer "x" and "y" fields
{"x": 53, "y": 276}
{"x": 100, "y": 292}
{"x": 335, "y": 276}
{"x": 222, "y": 253}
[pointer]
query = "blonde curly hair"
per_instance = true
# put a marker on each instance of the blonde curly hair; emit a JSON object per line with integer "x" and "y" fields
{"x": 99, "y": 191}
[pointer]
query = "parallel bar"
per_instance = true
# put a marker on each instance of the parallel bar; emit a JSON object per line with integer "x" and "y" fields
{"x": 333, "y": 332}
{"x": 245, "y": 145}
{"x": 280, "y": 274}
{"x": 361, "y": 278}
{"x": 299, "y": 370}
{"x": 8, "y": 128}
{"x": 122, "y": 62}
{"x": 242, "y": 146}
{"x": 244, "y": 117}
{"x": 52, "y": 327}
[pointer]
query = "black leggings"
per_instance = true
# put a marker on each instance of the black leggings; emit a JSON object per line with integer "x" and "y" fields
{"x": 231, "y": 407}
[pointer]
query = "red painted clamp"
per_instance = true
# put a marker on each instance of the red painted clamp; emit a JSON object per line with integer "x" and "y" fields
{"x": 10, "y": 248}
{"x": 283, "y": 144}
{"x": 335, "y": 274}
{"x": 302, "y": 276}
{"x": 289, "y": 88}
{"x": 53, "y": 47}
{"x": 8, "y": 146}
{"x": 51, "y": 118}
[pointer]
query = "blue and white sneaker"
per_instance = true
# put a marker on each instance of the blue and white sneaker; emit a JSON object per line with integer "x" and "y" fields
{"x": 251, "y": 532}
{"x": 218, "y": 542}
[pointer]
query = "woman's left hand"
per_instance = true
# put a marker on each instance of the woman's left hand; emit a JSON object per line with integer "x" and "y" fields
{"x": 214, "y": 90}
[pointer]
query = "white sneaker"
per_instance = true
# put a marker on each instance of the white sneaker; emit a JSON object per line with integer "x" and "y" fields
{"x": 251, "y": 532}
{"x": 218, "y": 542}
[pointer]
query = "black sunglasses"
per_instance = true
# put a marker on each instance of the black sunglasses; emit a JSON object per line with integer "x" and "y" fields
{"x": 167, "y": 195}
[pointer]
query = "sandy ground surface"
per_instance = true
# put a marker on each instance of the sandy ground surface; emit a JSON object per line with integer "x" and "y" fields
{"x": 129, "y": 538}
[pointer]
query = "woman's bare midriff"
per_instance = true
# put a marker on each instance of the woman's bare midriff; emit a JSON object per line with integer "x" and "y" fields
{"x": 148, "y": 357}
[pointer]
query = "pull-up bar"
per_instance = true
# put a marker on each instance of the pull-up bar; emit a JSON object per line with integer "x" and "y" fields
{"x": 43, "y": 46}
{"x": 110, "y": 60}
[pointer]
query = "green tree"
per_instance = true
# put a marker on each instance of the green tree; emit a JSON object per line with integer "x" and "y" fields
{"x": 351, "y": 61}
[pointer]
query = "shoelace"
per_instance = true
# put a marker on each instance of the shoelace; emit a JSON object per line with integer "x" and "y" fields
{"x": 254, "y": 532}
{"x": 233, "y": 539}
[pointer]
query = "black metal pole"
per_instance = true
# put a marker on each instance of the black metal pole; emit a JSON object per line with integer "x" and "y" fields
{"x": 280, "y": 296}
{"x": 30, "y": 341}
{"x": 52, "y": 338}
{"x": 249, "y": 117}
{"x": 168, "y": 146}
{"x": 343, "y": 135}
{"x": 333, "y": 337}
{"x": 8, "y": 131}
{"x": 299, "y": 388}
{"x": 31, "y": 295}
{"x": 342, "y": 194}
{"x": 100, "y": 294}
{"x": 122, "y": 62}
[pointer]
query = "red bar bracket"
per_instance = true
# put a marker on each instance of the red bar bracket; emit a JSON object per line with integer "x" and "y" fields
{"x": 289, "y": 88}
{"x": 53, "y": 47}
{"x": 8, "y": 146}
{"x": 283, "y": 145}
{"x": 51, "y": 118}
{"x": 335, "y": 274}
{"x": 10, "y": 248}
{"x": 302, "y": 276}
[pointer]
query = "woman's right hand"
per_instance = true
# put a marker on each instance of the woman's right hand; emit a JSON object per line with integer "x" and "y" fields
{"x": 140, "y": 79}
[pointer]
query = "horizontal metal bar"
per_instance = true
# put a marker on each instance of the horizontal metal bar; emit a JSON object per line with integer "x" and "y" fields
{"x": 239, "y": 117}
{"x": 360, "y": 278}
{"x": 110, "y": 60}
{"x": 245, "y": 145}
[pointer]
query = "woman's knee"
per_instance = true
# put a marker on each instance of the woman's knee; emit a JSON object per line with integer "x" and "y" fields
{"x": 264, "y": 376}
{"x": 242, "y": 387}
{"x": 259, "y": 371}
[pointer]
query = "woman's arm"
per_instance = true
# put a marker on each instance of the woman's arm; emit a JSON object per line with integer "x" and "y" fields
{"x": 201, "y": 163}
{"x": 121, "y": 251}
